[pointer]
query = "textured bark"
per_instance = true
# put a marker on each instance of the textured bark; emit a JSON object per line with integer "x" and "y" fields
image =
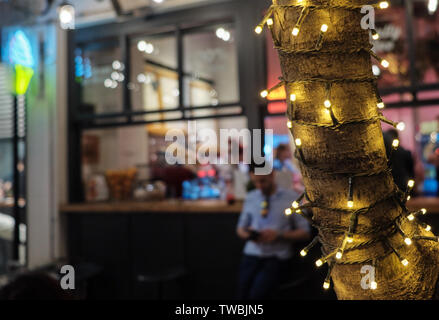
{"x": 332, "y": 155}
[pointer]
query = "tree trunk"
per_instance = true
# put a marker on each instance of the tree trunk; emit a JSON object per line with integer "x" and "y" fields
{"x": 344, "y": 142}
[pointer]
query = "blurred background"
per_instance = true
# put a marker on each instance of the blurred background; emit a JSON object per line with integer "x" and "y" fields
{"x": 88, "y": 91}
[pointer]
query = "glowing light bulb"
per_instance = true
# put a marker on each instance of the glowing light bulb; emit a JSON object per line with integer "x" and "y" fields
{"x": 303, "y": 253}
{"x": 327, "y": 103}
{"x": 408, "y": 241}
{"x": 264, "y": 94}
{"x": 258, "y": 29}
{"x": 288, "y": 211}
{"x": 269, "y": 22}
{"x": 373, "y": 285}
{"x": 375, "y": 36}
{"x": 409, "y": 197}
{"x": 424, "y": 211}
{"x": 427, "y": 228}
{"x": 411, "y": 183}
{"x": 319, "y": 263}
{"x": 411, "y": 217}
{"x": 293, "y": 97}
{"x": 339, "y": 255}
{"x": 326, "y": 285}
{"x": 350, "y": 204}
{"x": 384, "y": 5}
{"x": 295, "y": 205}
{"x": 404, "y": 262}
{"x": 298, "y": 142}
{"x": 289, "y": 124}
{"x": 401, "y": 126}
{"x": 349, "y": 239}
{"x": 324, "y": 28}
{"x": 395, "y": 143}
{"x": 298, "y": 211}
{"x": 385, "y": 63}
{"x": 380, "y": 105}
{"x": 295, "y": 31}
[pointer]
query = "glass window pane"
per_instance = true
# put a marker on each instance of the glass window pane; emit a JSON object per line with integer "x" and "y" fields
{"x": 154, "y": 74}
{"x": 210, "y": 66}
{"x": 392, "y": 46}
{"x": 100, "y": 71}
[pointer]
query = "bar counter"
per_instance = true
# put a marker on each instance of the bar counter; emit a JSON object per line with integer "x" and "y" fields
{"x": 167, "y": 206}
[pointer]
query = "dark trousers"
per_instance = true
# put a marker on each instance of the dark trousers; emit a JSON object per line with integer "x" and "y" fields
{"x": 260, "y": 277}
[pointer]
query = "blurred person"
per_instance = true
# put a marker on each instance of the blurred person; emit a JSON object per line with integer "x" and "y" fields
{"x": 269, "y": 236}
{"x": 403, "y": 166}
{"x": 287, "y": 175}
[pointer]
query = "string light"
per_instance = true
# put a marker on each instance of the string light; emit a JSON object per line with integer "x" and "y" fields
{"x": 305, "y": 250}
{"x": 427, "y": 228}
{"x": 385, "y": 63}
{"x": 404, "y": 262}
{"x": 327, "y": 282}
{"x": 375, "y": 35}
{"x": 373, "y": 285}
{"x": 289, "y": 124}
{"x": 395, "y": 144}
{"x": 264, "y": 94}
{"x": 288, "y": 212}
{"x": 401, "y": 126}
{"x": 411, "y": 217}
{"x": 269, "y": 22}
{"x": 381, "y": 105}
{"x": 384, "y": 5}
{"x": 408, "y": 241}
{"x": 323, "y": 30}
{"x": 302, "y": 16}
{"x": 423, "y": 211}
{"x": 258, "y": 29}
{"x": 319, "y": 263}
{"x": 351, "y": 193}
{"x": 293, "y": 97}
{"x": 327, "y": 104}
{"x": 295, "y": 31}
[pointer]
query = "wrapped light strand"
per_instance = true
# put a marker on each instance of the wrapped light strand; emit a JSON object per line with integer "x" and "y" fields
{"x": 299, "y": 22}
{"x": 298, "y": 143}
{"x": 293, "y": 99}
{"x": 327, "y": 282}
{"x": 375, "y": 35}
{"x": 410, "y": 186}
{"x": 266, "y": 92}
{"x": 328, "y": 105}
{"x": 323, "y": 30}
{"x": 403, "y": 261}
{"x": 305, "y": 250}
{"x": 412, "y": 216}
{"x": 407, "y": 239}
{"x": 384, "y": 63}
{"x": 266, "y": 20}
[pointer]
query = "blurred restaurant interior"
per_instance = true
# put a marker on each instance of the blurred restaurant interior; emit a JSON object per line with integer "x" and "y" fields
{"x": 83, "y": 174}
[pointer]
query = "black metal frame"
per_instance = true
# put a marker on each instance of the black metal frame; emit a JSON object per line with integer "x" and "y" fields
{"x": 245, "y": 14}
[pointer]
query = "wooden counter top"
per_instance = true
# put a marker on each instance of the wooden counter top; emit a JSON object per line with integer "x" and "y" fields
{"x": 169, "y": 206}
{"x": 202, "y": 206}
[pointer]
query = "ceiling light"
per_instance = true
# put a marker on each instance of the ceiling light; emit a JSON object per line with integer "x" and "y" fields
{"x": 66, "y": 15}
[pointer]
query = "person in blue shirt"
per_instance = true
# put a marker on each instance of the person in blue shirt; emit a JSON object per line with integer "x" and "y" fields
{"x": 269, "y": 235}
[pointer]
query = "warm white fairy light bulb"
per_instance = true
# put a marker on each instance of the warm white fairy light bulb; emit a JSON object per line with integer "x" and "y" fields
{"x": 427, "y": 228}
{"x": 350, "y": 204}
{"x": 408, "y": 241}
{"x": 298, "y": 142}
{"x": 303, "y": 253}
{"x": 411, "y": 217}
{"x": 411, "y": 183}
{"x": 326, "y": 285}
{"x": 404, "y": 262}
{"x": 295, "y": 205}
{"x": 324, "y": 28}
{"x": 400, "y": 126}
{"x": 269, "y": 22}
{"x": 295, "y": 31}
{"x": 258, "y": 29}
{"x": 424, "y": 211}
{"x": 349, "y": 239}
{"x": 395, "y": 143}
{"x": 327, "y": 103}
{"x": 339, "y": 255}
{"x": 293, "y": 97}
{"x": 384, "y": 5}
{"x": 264, "y": 94}
{"x": 373, "y": 285}
{"x": 380, "y": 105}
{"x": 289, "y": 124}
{"x": 319, "y": 263}
{"x": 288, "y": 211}
{"x": 385, "y": 63}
